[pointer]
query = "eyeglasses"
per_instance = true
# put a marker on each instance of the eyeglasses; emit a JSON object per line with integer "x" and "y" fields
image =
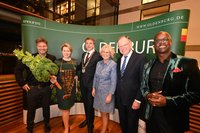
{"x": 165, "y": 40}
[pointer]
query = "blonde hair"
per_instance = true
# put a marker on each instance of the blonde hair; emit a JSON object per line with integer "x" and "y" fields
{"x": 66, "y": 45}
{"x": 110, "y": 48}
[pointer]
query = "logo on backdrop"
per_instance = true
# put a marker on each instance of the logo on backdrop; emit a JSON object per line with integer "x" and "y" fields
{"x": 146, "y": 46}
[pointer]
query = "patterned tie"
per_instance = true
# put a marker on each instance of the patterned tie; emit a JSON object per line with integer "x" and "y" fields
{"x": 87, "y": 58}
{"x": 123, "y": 66}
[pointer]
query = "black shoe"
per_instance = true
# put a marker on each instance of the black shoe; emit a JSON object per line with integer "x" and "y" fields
{"x": 90, "y": 130}
{"x": 83, "y": 124}
{"x": 47, "y": 128}
{"x": 29, "y": 130}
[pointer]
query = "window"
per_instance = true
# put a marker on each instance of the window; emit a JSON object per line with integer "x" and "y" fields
{"x": 93, "y": 8}
{"x": 66, "y": 9}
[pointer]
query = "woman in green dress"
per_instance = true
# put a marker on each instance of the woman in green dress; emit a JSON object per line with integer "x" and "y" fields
{"x": 68, "y": 81}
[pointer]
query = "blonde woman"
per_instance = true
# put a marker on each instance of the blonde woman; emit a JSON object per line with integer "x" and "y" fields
{"x": 104, "y": 85}
{"x": 68, "y": 80}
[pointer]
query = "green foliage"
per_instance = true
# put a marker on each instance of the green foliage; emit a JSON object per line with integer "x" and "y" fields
{"x": 41, "y": 67}
{"x": 53, "y": 96}
{"x": 78, "y": 94}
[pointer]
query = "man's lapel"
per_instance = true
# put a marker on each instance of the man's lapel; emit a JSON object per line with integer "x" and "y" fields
{"x": 147, "y": 68}
{"x": 92, "y": 57}
{"x": 173, "y": 63}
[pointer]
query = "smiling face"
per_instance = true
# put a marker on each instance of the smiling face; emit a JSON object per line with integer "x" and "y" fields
{"x": 162, "y": 43}
{"x": 89, "y": 45}
{"x": 105, "y": 53}
{"x": 124, "y": 45}
{"x": 42, "y": 48}
{"x": 66, "y": 52}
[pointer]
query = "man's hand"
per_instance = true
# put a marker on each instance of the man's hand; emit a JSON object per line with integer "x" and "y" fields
{"x": 135, "y": 105}
{"x": 156, "y": 99}
{"x": 26, "y": 87}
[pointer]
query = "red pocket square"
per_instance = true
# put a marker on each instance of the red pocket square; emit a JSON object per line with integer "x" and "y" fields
{"x": 176, "y": 70}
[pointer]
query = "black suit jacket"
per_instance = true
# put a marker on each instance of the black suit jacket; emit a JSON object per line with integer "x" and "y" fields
{"x": 128, "y": 86}
{"x": 181, "y": 86}
{"x": 87, "y": 77}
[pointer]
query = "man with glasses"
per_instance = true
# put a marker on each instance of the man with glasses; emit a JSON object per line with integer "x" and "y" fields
{"x": 129, "y": 75}
{"x": 171, "y": 84}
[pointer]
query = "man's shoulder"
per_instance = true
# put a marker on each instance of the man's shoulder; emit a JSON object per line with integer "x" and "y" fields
{"x": 51, "y": 57}
{"x": 97, "y": 55}
{"x": 140, "y": 55}
{"x": 185, "y": 62}
{"x": 185, "y": 59}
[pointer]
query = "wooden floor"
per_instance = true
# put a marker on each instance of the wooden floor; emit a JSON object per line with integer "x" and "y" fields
{"x": 56, "y": 125}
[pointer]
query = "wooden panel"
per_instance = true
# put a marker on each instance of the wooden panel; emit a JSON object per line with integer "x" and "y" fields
{"x": 195, "y": 118}
{"x": 192, "y": 48}
{"x": 11, "y": 100}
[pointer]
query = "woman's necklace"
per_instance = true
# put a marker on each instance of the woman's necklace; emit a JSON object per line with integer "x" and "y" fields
{"x": 68, "y": 60}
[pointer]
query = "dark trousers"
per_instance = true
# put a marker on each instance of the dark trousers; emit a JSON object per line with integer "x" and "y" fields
{"x": 38, "y": 96}
{"x": 158, "y": 124}
{"x": 88, "y": 105}
{"x": 128, "y": 119}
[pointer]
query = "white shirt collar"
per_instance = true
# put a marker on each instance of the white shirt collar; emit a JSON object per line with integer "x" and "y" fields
{"x": 91, "y": 51}
{"x": 127, "y": 59}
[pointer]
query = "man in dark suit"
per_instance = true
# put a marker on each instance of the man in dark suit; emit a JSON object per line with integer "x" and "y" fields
{"x": 129, "y": 75}
{"x": 88, "y": 66}
{"x": 170, "y": 85}
{"x": 36, "y": 92}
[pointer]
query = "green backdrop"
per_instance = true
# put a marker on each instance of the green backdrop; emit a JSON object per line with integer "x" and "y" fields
{"x": 141, "y": 33}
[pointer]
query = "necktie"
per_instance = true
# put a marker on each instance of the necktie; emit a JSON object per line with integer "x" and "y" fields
{"x": 123, "y": 66}
{"x": 87, "y": 58}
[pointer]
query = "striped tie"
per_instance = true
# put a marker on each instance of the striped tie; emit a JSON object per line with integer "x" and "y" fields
{"x": 123, "y": 66}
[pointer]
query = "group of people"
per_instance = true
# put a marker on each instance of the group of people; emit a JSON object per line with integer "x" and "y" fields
{"x": 159, "y": 91}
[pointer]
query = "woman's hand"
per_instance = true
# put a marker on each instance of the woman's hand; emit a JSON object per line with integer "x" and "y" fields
{"x": 93, "y": 92}
{"x": 76, "y": 90}
{"x": 53, "y": 79}
{"x": 108, "y": 98}
{"x": 76, "y": 79}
